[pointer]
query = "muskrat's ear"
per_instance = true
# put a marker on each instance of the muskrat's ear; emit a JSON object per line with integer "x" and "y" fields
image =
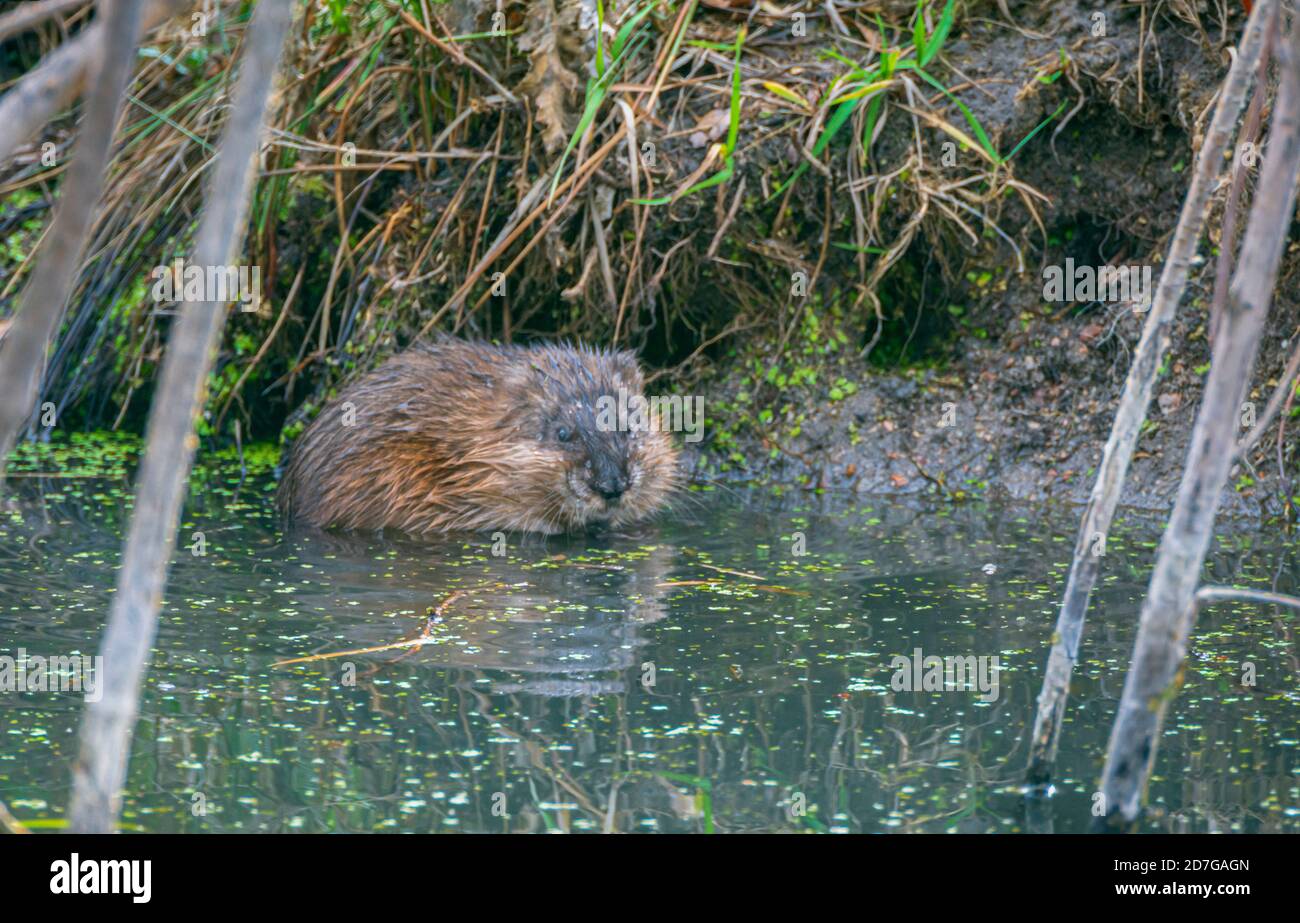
{"x": 627, "y": 368}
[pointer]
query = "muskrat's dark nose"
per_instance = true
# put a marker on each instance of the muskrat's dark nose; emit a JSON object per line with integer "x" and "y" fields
{"x": 610, "y": 487}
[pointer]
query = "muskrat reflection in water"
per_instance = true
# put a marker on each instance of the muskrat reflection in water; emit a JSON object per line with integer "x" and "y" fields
{"x": 465, "y": 435}
{"x": 564, "y": 617}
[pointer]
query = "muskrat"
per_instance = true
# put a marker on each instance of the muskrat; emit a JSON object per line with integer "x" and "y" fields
{"x": 468, "y": 435}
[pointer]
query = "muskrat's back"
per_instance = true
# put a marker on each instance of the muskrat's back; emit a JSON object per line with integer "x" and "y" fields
{"x": 467, "y": 435}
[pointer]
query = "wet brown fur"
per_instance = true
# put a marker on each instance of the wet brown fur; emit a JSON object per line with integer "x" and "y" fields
{"x": 464, "y": 435}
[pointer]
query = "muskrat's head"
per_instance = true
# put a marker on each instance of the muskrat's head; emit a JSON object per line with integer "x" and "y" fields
{"x": 587, "y": 456}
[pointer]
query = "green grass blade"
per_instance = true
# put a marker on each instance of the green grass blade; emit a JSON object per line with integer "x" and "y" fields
{"x": 733, "y": 131}
{"x": 837, "y": 120}
{"x": 600, "y": 39}
{"x": 918, "y": 29}
{"x": 1039, "y": 127}
{"x": 875, "y": 251}
{"x": 596, "y": 90}
{"x": 971, "y": 120}
{"x": 625, "y": 30}
{"x": 939, "y": 36}
{"x": 733, "y": 125}
{"x": 728, "y": 169}
{"x": 170, "y": 122}
{"x": 873, "y": 113}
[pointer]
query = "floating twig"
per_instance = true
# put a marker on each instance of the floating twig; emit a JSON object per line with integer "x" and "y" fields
{"x": 433, "y": 617}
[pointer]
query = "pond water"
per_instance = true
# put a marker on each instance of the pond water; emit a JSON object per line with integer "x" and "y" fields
{"x": 696, "y": 675}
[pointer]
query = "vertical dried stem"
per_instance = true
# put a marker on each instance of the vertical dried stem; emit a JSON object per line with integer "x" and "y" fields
{"x": 133, "y": 620}
{"x": 24, "y": 346}
{"x": 1133, "y": 405}
{"x": 1169, "y": 611}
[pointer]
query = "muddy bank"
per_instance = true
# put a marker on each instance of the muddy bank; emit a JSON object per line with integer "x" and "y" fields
{"x": 997, "y": 390}
{"x": 1022, "y": 412}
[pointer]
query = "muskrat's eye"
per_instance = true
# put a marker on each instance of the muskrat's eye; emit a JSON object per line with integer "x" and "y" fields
{"x": 563, "y": 435}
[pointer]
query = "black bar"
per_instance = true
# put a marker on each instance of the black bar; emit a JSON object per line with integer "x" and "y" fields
{"x": 334, "y": 873}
